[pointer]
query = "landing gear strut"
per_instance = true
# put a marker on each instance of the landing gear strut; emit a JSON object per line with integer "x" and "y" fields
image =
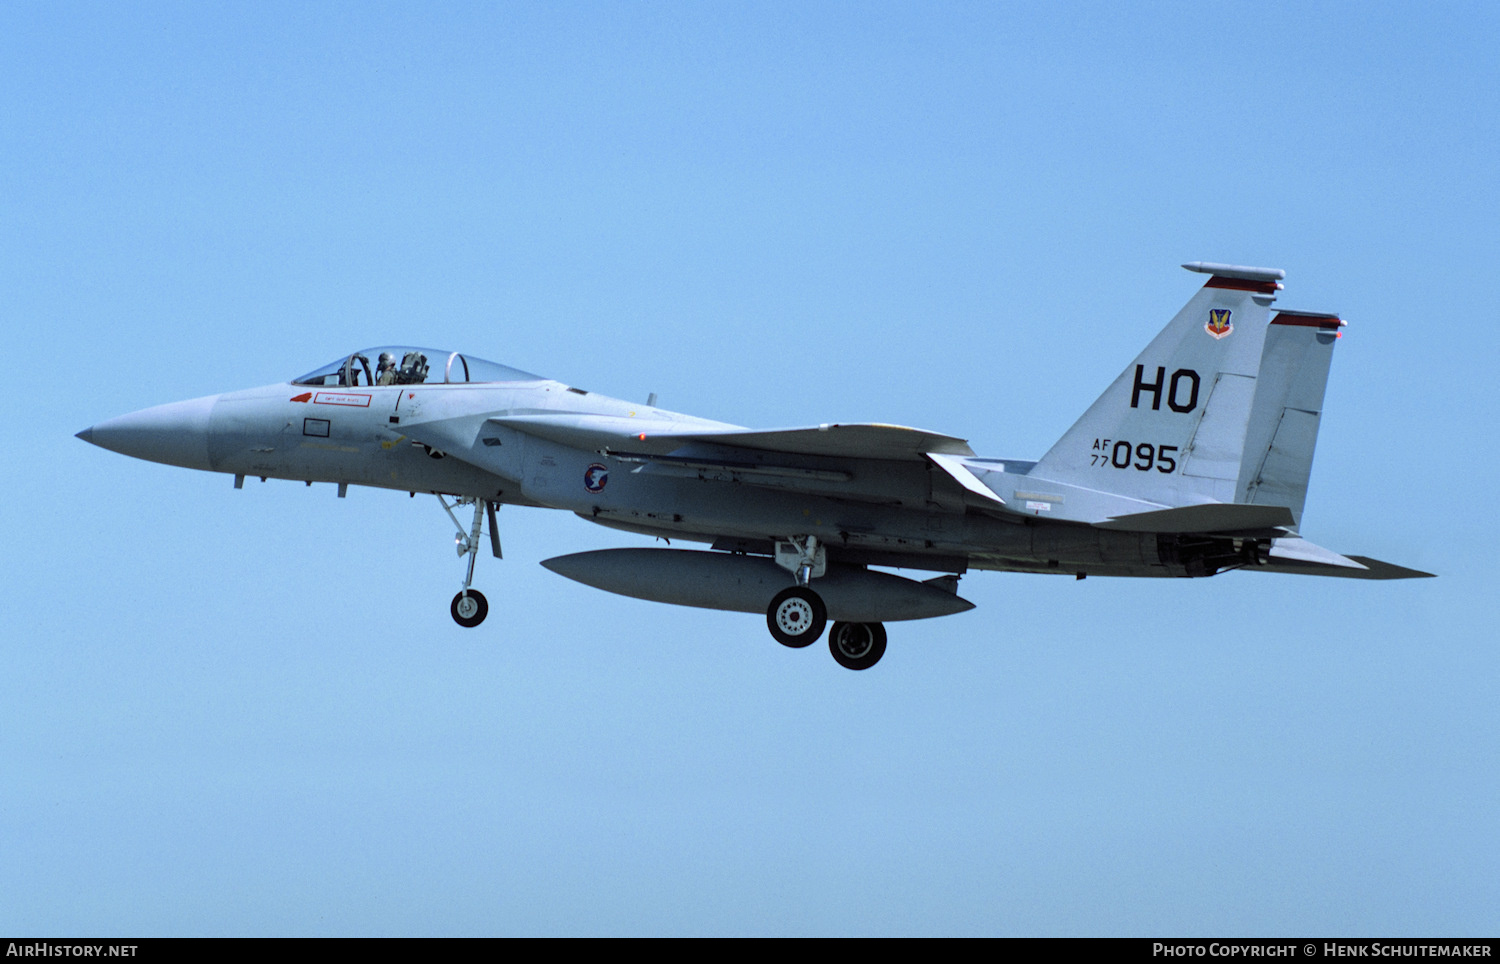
{"x": 470, "y": 607}
{"x": 796, "y": 615}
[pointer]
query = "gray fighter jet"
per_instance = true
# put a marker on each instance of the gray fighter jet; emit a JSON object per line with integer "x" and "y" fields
{"x": 1193, "y": 462}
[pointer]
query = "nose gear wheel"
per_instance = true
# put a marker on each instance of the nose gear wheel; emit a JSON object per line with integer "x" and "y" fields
{"x": 469, "y": 608}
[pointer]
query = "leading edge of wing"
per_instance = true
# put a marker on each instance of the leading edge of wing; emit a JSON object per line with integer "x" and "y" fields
{"x": 856, "y": 440}
{"x": 859, "y": 440}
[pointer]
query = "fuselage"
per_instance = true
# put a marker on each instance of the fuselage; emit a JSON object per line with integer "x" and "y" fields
{"x": 898, "y": 513}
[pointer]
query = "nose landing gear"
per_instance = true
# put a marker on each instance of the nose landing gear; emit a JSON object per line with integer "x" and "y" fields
{"x": 470, "y": 607}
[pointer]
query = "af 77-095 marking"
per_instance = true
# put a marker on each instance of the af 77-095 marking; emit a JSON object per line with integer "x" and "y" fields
{"x": 1194, "y": 461}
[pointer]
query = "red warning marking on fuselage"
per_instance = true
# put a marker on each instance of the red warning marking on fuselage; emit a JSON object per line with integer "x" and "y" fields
{"x": 304, "y": 397}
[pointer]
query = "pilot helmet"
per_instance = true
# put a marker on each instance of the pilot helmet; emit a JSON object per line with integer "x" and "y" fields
{"x": 387, "y": 360}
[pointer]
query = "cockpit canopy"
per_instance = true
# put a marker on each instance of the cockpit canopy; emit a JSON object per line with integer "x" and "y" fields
{"x": 400, "y": 365}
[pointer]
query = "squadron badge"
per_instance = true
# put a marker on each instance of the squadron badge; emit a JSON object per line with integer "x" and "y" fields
{"x": 1218, "y": 322}
{"x": 595, "y": 477}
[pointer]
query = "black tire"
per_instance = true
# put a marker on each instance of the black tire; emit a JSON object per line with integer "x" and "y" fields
{"x": 471, "y": 612}
{"x": 857, "y": 645}
{"x": 796, "y": 617}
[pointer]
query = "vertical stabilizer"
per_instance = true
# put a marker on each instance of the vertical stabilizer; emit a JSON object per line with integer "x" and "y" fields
{"x": 1288, "y": 406}
{"x": 1172, "y": 428}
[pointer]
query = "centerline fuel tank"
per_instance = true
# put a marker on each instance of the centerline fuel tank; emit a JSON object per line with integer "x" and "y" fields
{"x": 741, "y": 583}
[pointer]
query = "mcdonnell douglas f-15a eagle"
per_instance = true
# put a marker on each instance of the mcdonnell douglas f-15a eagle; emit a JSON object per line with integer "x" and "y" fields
{"x": 1193, "y": 462}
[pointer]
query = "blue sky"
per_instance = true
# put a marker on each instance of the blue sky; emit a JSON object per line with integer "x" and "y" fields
{"x": 249, "y": 712}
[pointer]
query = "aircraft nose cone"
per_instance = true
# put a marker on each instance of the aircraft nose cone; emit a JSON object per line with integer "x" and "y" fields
{"x": 175, "y": 434}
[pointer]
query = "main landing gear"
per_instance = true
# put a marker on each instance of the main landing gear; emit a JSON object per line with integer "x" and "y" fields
{"x": 470, "y": 607}
{"x": 857, "y": 645}
{"x": 797, "y": 616}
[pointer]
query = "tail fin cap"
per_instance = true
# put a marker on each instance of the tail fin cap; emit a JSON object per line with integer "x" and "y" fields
{"x": 1240, "y": 271}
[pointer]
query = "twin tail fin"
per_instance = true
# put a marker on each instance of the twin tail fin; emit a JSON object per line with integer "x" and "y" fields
{"x": 1221, "y": 407}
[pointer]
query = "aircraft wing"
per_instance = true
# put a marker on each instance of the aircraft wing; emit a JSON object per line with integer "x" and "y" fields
{"x": 855, "y": 440}
{"x": 833, "y": 459}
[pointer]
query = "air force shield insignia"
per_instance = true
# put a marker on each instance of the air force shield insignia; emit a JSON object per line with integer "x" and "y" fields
{"x": 1218, "y": 322}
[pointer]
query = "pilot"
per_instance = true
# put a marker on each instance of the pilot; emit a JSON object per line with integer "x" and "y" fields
{"x": 385, "y": 370}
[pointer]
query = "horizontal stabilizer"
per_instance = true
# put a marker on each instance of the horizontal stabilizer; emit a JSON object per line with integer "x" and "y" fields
{"x": 1211, "y": 517}
{"x": 1389, "y": 570}
{"x": 1352, "y": 567}
{"x": 1293, "y": 551}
